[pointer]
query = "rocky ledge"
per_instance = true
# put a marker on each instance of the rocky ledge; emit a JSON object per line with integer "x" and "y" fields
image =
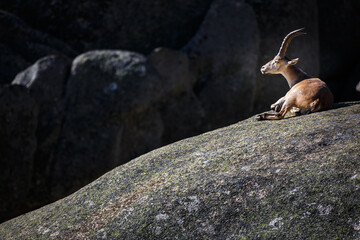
{"x": 298, "y": 178}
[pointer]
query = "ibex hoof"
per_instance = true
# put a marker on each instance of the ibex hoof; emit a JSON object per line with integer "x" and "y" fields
{"x": 275, "y": 107}
{"x": 259, "y": 117}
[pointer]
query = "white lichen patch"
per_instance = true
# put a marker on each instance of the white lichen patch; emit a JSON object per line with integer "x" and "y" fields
{"x": 340, "y": 136}
{"x": 179, "y": 221}
{"x": 124, "y": 213}
{"x": 261, "y": 194}
{"x": 227, "y": 192}
{"x": 197, "y": 154}
{"x": 192, "y": 203}
{"x": 89, "y": 203}
{"x": 157, "y": 230}
{"x": 324, "y": 210}
{"x": 43, "y": 230}
{"x": 161, "y": 217}
{"x": 206, "y": 228}
{"x": 102, "y": 233}
{"x": 305, "y": 215}
{"x": 246, "y": 168}
{"x": 55, "y": 234}
{"x": 193, "y": 206}
{"x": 276, "y": 223}
{"x": 356, "y": 226}
{"x": 143, "y": 199}
{"x": 203, "y": 157}
{"x": 295, "y": 190}
{"x": 354, "y": 177}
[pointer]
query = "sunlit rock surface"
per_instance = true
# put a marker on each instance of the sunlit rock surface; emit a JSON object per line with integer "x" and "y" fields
{"x": 297, "y": 178}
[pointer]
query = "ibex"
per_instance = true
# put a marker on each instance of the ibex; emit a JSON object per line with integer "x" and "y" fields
{"x": 306, "y": 94}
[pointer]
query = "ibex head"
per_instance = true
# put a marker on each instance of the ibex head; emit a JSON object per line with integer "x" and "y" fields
{"x": 280, "y": 62}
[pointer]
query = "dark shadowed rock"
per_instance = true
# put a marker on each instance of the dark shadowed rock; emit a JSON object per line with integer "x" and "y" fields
{"x": 115, "y": 24}
{"x": 354, "y": 81}
{"x": 173, "y": 68}
{"x": 183, "y": 116}
{"x": 46, "y": 80}
{"x": 108, "y": 84}
{"x": 181, "y": 110}
{"x": 21, "y": 45}
{"x": 224, "y": 56}
{"x": 339, "y": 46}
{"x": 18, "y": 121}
{"x": 296, "y": 178}
{"x": 275, "y": 20}
{"x": 110, "y": 114}
{"x": 10, "y": 63}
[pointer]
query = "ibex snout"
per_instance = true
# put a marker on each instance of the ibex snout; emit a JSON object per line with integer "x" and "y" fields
{"x": 268, "y": 68}
{"x": 262, "y": 70}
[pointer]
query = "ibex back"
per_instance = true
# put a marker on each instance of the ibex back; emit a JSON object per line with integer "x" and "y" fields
{"x": 306, "y": 94}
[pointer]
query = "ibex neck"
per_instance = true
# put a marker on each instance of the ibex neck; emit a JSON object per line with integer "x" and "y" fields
{"x": 294, "y": 75}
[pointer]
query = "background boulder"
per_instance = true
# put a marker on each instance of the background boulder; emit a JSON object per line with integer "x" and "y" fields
{"x": 46, "y": 80}
{"x": 339, "y": 46}
{"x": 142, "y": 27}
{"x": 292, "y": 179}
{"x": 17, "y": 146}
{"x": 21, "y": 45}
{"x": 181, "y": 111}
{"x": 224, "y": 56}
{"x": 137, "y": 25}
{"x": 110, "y": 115}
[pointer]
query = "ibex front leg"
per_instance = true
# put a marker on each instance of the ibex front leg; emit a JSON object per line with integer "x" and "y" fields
{"x": 277, "y": 105}
{"x": 273, "y": 116}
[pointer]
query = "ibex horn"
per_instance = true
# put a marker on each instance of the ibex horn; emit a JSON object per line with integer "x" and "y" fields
{"x": 287, "y": 41}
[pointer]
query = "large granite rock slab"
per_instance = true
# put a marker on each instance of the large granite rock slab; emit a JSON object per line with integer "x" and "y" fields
{"x": 296, "y": 178}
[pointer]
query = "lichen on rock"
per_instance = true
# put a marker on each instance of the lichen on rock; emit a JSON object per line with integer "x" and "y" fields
{"x": 289, "y": 179}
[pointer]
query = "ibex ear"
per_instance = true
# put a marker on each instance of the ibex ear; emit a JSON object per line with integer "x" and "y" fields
{"x": 293, "y": 61}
